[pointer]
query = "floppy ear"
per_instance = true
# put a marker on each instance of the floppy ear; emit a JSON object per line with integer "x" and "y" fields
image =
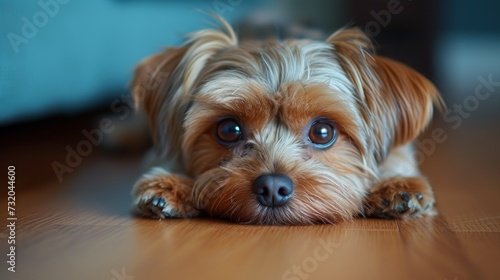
{"x": 165, "y": 83}
{"x": 155, "y": 81}
{"x": 409, "y": 95}
{"x": 396, "y": 101}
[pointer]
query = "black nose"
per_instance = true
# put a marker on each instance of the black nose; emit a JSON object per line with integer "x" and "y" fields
{"x": 273, "y": 189}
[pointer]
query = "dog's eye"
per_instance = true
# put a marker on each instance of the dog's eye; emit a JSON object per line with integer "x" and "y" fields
{"x": 322, "y": 134}
{"x": 228, "y": 132}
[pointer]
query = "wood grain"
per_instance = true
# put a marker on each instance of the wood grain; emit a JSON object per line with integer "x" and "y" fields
{"x": 81, "y": 229}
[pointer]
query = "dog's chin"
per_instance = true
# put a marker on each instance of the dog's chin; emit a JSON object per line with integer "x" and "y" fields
{"x": 249, "y": 211}
{"x": 253, "y": 213}
{"x": 231, "y": 198}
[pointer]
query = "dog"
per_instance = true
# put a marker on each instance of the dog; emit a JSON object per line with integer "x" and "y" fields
{"x": 291, "y": 132}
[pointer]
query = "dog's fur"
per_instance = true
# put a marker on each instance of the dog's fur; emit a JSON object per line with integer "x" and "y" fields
{"x": 275, "y": 90}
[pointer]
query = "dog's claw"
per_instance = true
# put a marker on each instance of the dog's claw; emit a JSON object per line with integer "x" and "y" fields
{"x": 158, "y": 202}
{"x": 156, "y": 206}
{"x": 419, "y": 196}
{"x": 405, "y": 196}
{"x": 402, "y": 207}
{"x": 385, "y": 202}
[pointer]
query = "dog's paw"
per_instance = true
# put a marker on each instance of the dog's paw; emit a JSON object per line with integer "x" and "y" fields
{"x": 161, "y": 195}
{"x": 401, "y": 198}
{"x": 159, "y": 207}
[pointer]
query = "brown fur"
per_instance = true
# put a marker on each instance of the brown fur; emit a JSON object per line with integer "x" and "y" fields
{"x": 401, "y": 197}
{"x": 173, "y": 188}
{"x": 398, "y": 100}
{"x": 275, "y": 91}
{"x": 150, "y": 81}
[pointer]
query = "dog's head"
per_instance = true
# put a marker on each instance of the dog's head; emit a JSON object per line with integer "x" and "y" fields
{"x": 285, "y": 132}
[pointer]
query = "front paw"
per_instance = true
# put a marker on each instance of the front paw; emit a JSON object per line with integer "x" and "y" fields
{"x": 401, "y": 198}
{"x": 161, "y": 195}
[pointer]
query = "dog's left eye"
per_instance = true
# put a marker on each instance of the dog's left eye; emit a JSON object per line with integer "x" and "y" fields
{"x": 228, "y": 132}
{"x": 322, "y": 134}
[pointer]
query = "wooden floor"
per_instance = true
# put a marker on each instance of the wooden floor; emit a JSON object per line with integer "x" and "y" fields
{"x": 81, "y": 228}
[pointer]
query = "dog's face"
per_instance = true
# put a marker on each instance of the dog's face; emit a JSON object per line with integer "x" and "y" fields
{"x": 281, "y": 132}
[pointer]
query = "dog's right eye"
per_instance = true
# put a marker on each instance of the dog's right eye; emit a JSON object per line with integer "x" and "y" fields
{"x": 322, "y": 134}
{"x": 228, "y": 132}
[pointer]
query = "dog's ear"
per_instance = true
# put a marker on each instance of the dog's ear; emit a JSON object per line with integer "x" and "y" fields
{"x": 397, "y": 102}
{"x": 153, "y": 88}
{"x": 165, "y": 83}
{"x": 408, "y": 95}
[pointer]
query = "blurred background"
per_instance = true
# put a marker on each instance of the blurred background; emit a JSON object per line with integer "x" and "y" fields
{"x": 68, "y": 126}
{"x": 67, "y": 64}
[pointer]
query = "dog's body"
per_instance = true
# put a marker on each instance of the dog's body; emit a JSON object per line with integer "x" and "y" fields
{"x": 292, "y": 132}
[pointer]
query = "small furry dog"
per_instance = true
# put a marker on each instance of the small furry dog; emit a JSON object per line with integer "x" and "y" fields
{"x": 282, "y": 132}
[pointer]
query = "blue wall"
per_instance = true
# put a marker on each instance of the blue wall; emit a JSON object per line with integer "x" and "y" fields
{"x": 84, "y": 51}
